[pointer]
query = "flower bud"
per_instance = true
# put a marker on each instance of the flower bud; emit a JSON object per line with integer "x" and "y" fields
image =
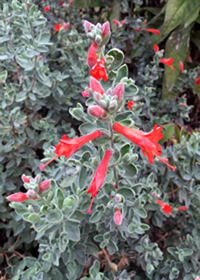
{"x": 25, "y": 179}
{"x": 105, "y": 29}
{"x": 98, "y": 39}
{"x": 96, "y": 111}
{"x": 103, "y": 103}
{"x": 117, "y": 217}
{"x": 113, "y": 106}
{"x": 38, "y": 178}
{"x": 119, "y": 91}
{"x": 45, "y": 185}
{"x": 118, "y": 198}
{"x": 91, "y": 36}
{"x": 40, "y": 57}
{"x": 87, "y": 26}
{"x": 17, "y": 197}
{"x": 31, "y": 193}
{"x": 98, "y": 26}
{"x": 109, "y": 92}
{"x": 66, "y": 25}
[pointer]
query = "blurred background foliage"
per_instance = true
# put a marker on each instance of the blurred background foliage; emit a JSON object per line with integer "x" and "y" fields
{"x": 43, "y": 74}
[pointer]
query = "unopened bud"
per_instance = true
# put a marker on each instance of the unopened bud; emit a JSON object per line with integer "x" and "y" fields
{"x": 45, "y": 185}
{"x": 118, "y": 217}
{"x": 31, "y": 193}
{"x": 103, "y": 103}
{"x": 98, "y": 26}
{"x": 113, "y": 106}
{"x": 119, "y": 91}
{"x": 105, "y": 29}
{"x": 40, "y": 57}
{"x": 109, "y": 92}
{"x": 25, "y": 179}
{"x": 66, "y": 25}
{"x": 154, "y": 193}
{"x": 87, "y": 25}
{"x": 91, "y": 36}
{"x": 118, "y": 198}
{"x": 96, "y": 111}
{"x": 98, "y": 39}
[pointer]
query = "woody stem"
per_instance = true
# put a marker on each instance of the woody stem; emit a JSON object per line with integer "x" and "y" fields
{"x": 112, "y": 146}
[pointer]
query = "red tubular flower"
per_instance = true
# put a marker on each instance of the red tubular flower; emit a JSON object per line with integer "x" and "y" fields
{"x": 70, "y": 2}
{"x": 181, "y": 66}
{"x": 99, "y": 177}
{"x": 182, "y": 208}
{"x": 197, "y": 81}
{"x": 119, "y": 91}
{"x": 98, "y": 71}
{"x": 105, "y": 29}
{"x": 46, "y": 9}
{"x": 66, "y": 25}
{"x": 118, "y": 217}
{"x": 116, "y": 23}
{"x": 138, "y": 29}
{"x": 154, "y": 31}
{"x": 167, "y": 61}
{"x": 68, "y": 147}
{"x": 146, "y": 141}
{"x": 96, "y": 86}
{"x": 123, "y": 22}
{"x": 156, "y": 48}
{"x": 57, "y": 27}
{"x": 19, "y": 197}
{"x": 92, "y": 56}
{"x": 61, "y": 2}
{"x": 165, "y": 207}
{"x": 130, "y": 105}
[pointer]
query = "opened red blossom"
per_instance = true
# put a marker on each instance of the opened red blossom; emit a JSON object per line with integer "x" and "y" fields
{"x": 57, "y": 27}
{"x": 148, "y": 142}
{"x": 197, "y": 81}
{"x": 99, "y": 177}
{"x": 167, "y": 61}
{"x": 46, "y": 9}
{"x": 130, "y": 104}
{"x": 68, "y": 147}
{"x": 181, "y": 66}
{"x": 98, "y": 71}
{"x": 165, "y": 207}
{"x": 156, "y": 48}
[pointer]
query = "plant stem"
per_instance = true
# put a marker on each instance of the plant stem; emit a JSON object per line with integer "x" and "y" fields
{"x": 112, "y": 146}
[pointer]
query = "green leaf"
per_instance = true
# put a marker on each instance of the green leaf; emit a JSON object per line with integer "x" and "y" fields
{"x": 94, "y": 270}
{"x": 126, "y": 192}
{"x": 87, "y": 128}
{"x": 72, "y": 230}
{"x": 96, "y": 216}
{"x": 187, "y": 252}
{"x": 54, "y": 217}
{"x": 118, "y": 58}
{"x": 4, "y": 39}
{"x": 168, "y": 131}
{"x": 177, "y": 12}
{"x": 130, "y": 171}
{"x": 24, "y": 62}
{"x": 141, "y": 212}
{"x": 34, "y": 217}
{"x": 176, "y": 47}
{"x": 3, "y": 76}
{"x": 44, "y": 38}
{"x": 121, "y": 73}
{"x": 60, "y": 198}
{"x": 83, "y": 177}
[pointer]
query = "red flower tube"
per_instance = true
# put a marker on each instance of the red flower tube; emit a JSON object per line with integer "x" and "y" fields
{"x": 181, "y": 66}
{"x": 96, "y": 86}
{"x": 146, "y": 141}
{"x": 167, "y": 61}
{"x": 99, "y": 177}
{"x": 156, "y": 48}
{"x": 116, "y": 23}
{"x": 19, "y": 197}
{"x": 68, "y": 147}
{"x": 154, "y": 31}
{"x": 165, "y": 207}
{"x": 182, "y": 208}
{"x": 197, "y": 81}
{"x": 92, "y": 56}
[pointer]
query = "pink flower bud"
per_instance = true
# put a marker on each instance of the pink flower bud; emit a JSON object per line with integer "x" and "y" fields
{"x": 66, "y": 25}
{"x": 30, "y": 193}
{"x": 96, "y": 86}
{"x": 123, "y": 21}
{"x": 119, "y": 91}
{"x": 87, "y": 25}
{"x": 42, "y": 167}
{"x": 197, "y": 278}
{"x": 118, "y": 217}
{"x": 25, "y": 179}
{"x": 70, "y": 2}
{"x": 184, "y": 105}
{"x": 40, "y": 57}
{"x": 45, "y": 185}
{"x": 61, "y": 2}
{"x": 96, "y": 111}
{"x": 154, "y": 193}
{"x": 18, "y": 197}
{"x": 105, "y": 29}
{"x": 118, "y": 198}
